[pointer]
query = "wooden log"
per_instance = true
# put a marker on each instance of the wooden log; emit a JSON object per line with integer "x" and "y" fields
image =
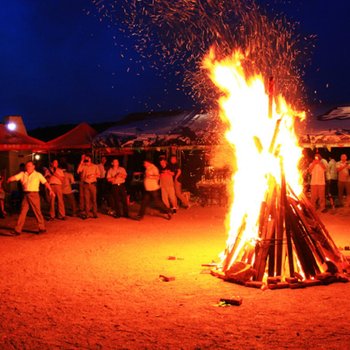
{"x": 235, "y": 300}
{"x": 254, "y": 284}
{"x": 297, "y": 285}
{"x": 303, "y": 250}
{"x": 229, "y": 254}
{"x": 281, "y": 221}
{"x": 291, "y": 280}
{"x": 279, "y": 285}
{"x": 266, "y": 232}
{"x": 312, "y": 282}
{"x": 274, "y": 280}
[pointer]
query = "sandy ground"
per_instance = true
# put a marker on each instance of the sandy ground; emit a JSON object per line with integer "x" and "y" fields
{"x": 95, "y": 284}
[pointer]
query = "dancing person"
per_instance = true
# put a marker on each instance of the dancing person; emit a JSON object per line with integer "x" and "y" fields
{"x": 167, "y": 188}
{"x": 152, "y": 191}
{"x": 317, "y": 170}
{"x": 175, "y": 168}
{"x": 30, "y": 180}
{"x": 116, "y": 176}
{"x": 89, "y": 173}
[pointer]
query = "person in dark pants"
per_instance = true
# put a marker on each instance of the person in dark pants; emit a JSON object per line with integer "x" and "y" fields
{"x": 116, "y": 175}
{"x": 152, "y": 192}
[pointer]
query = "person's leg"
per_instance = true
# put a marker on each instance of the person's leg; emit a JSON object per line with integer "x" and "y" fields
{"x": 322, "y": 196}
{"x": 172, "y": 197}
{"x": 93, "y": 198}
{"x": 313, "y": 198}
{"x": 34, "y": 202}
{"x": 86, "y": 201}
{"x": 180, "y": 195}
{"x": 347, "y": 189}
{"x": 52, "y": 201}
{"x": 144, "y": 204}
{"x": 22, "y": 215}
{"x": 60, "y": 202}
{"x": 81, "y": 197}
{"x": 165, "y": 196}
{"x": 117, "y": 200}
{"x": 158, "y": 203}
{"x": 124, "y": 200}
{"x": 341, "y": 188}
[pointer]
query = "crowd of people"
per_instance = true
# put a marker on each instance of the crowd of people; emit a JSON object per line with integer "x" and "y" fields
{"x": 92, "y": 186}
{"x": 84, "y": 192}
{"x": 329, "y": 182}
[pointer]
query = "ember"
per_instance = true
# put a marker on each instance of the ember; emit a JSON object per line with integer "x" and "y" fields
{"x": 275, "y": 236}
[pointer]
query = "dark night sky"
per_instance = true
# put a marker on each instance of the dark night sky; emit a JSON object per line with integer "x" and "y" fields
{"x": 59, "y": 65}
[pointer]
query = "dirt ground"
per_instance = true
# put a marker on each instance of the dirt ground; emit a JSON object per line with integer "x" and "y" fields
{"x": 95, "y": 284}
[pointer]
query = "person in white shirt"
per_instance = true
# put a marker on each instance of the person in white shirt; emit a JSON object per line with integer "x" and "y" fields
{"x": 30, "y": 180}
{"x": 317, "y": 170}
{"x": 116, "y": 175}
{"x": 152, "y": 191}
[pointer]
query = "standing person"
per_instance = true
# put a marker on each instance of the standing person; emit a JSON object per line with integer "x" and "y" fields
{"x": 31, "y": 181}
{"x": 343, "y": 178}
{"x": 55, "y": 176}
{"x": 116, "y": 176}
{"x": 332, "y": 180}
{"x": 67, "y": 191}
{"x": 89, "y": 174}
{"x": 175, "y": 168}
{"x": 152, "y": 189}
{"x": 102, "y": 182}
{"x": 2, "y": 198}
{"x": 317, "y": 170}
{"x": 81, "y": 187}
{"x": 167, "y": 187}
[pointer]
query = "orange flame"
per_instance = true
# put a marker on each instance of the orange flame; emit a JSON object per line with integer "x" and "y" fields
{"x": 261, "y": 131}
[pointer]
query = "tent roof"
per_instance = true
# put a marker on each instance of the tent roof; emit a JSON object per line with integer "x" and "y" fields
{"x": 184, "y": 128}
{"x": 331, "y": 129}
{"x": 12, "y": 140}
{"x": 80, "y": 137}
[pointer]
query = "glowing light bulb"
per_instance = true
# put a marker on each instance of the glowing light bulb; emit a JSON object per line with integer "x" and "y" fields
{"x": 11, "y": 126}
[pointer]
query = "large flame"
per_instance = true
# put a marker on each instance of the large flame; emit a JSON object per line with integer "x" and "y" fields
{"x": 261, "y": 131}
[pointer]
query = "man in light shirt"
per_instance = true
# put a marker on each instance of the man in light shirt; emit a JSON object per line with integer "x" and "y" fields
{"x": 317, "y": 170}
{"x": 152, "y": 191}
{"x": 116, "y": 175}
{"x": 30, "y": 180}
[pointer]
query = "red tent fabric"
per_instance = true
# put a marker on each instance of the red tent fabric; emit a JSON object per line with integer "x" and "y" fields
{"x": 15, "y": 141}
{"x": 79, "y": 137}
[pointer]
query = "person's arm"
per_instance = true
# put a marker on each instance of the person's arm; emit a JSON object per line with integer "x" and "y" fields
{"x": 178, "y": 173}
{"x": 47, "y": 185}
{"x": 11, "y": 179}
{"x": 108, "y": 176}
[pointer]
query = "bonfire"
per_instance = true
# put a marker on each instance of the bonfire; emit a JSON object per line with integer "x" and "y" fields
{"x": 275, "y": 237}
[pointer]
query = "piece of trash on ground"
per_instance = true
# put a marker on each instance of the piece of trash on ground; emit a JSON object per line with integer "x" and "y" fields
{"x": 167, "y": 278}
